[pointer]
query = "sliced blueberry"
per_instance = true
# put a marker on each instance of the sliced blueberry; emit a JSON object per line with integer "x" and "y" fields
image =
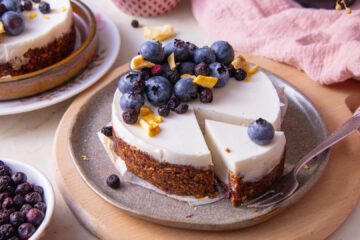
{"x": 223, "y": 51}
{"x": 219, "y": 71}
{"x": 204, "y": 54}
{"x": 131, "y": 100}
{"x": 158, "y": 90}
{"x": 152, "y": 51}
{"x": 126, "y": 81}
{"x": 179, "y": 48}
{"x": 187, "y": 68}
{"x": 261, "y": 132}
{"x": 13, "y": 22}
{"x": 185, "y": 89}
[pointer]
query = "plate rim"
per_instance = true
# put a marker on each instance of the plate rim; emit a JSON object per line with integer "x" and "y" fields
{"x": 111, "y": 59}
{"x": 268, "y": 213}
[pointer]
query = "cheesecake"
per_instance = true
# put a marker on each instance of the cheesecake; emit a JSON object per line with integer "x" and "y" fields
{"x": 46, "y": 39}
{"x": 246, "y": 168}
{"x": 170, "y": 139}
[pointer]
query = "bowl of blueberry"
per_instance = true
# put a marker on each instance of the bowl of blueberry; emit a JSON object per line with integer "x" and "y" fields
{"x": 27, "y": 201}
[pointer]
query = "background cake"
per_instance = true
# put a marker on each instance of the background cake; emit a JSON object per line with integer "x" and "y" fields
{"x": 48, "y": 36}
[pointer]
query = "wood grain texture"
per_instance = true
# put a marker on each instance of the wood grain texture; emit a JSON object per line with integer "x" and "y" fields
{"x": 315, "y": 216}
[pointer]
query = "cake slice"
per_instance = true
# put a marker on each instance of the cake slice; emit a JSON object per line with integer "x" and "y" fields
{"x": 245, "y": 167}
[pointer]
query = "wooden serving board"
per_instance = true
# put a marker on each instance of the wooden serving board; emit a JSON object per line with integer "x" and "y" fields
{"x": 315, "y": 216}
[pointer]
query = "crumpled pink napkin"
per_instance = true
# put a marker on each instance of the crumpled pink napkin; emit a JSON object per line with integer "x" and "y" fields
{"x": 325, "y": 44}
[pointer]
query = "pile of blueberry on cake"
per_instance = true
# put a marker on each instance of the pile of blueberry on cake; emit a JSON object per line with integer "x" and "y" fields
{"x": 22, "y": 205}
{"x": 171, "y": 76}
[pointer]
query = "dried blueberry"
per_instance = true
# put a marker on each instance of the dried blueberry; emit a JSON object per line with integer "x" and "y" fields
{"x": 164, "y": 110}
{"x": 26, "y": 230}
{"x": 6, "y": 231}
{"x": 135, "y": 23}
{"x": 145, "y": 74}
{"x": 23, "y": 188}
{"x": 19, "y": 177}
{"x": 17, "y": 218}
{"x": 35, "y": 216}
{"x": 113, "y": 181}
{"x": 41, "y": 206}
{"x": 231, "y": 70}
{"x": 182, "y": 108}
{"x": 44, "y": 7}
{"x": 33, "y": 198}
{"x": 8, "y": 203}
{"x": 173, "y": 102}
{"x": 206, "y": 95}
{"x": 240, "y": 74}
{"x": 28, "y": 6}
{"x": 138, "y": 86}
{"x": 130, "y": 116}
{"x": 107, "y": 131}
{"x": 202, "y": 69}
{"x": 18, "y": 200}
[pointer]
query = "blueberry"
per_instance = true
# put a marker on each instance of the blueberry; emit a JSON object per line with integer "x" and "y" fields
{"x": 41, "y": 206}
{"x": 19, "y": 177}
{"x": 135, "y": 23}
{"x": 173, "y": 102}
{"x": 18, "y": 200}
{"x": 25, "y": 208}
{"x": 202, "y": 69}
{"x": 26, "y": 230}
{"x": 28, "y": 6}
{"x": 206, "y": 95}
{"x": 37, "y": 188}
{"x": 158, "y": 90}
{"x": 5, "y": 170}
{"x": 261, "y": 132}
{"x": 5, "y": 181}
{"x": 4, "y": 217}
{"x": 33, "y": 198}
{"x": 152, "y": 51}
{"x": 130, "y": 116}
{"x": 10, "y": 5}
{"x": 17, "y": 218}
{"x": 164, "y": 110}
{"x": 182, "y": 108}
{"x": 223, "y": 51}
{"x": 204, "y": 54}
{"x": 145, "y": 74}
{"x": 8, "y": 203}
{"x": 185, "y": 89}
{"x": 13, "y": 22}
{"x": 240, "y": 74}
{"x": 192, "y": 47}
{"x": 2, "y": 8}
{"x": 179, "y": 48}
{"x": 132, "y": 100}
{"x": 187, "y": 68}
{"x": 219, "y": 71}
{"x": 7, "y": 231}
{"x": 231, "y": 70}
{"x": 35, "y": 216}
{"x": 126, "y": 81}
{"x": 23, "y": 188}
{"x": 113, "y": 181}
{"x": 44, "y": 7}
{"x": 107, "y": 131}
{"x": 172, "y": 75}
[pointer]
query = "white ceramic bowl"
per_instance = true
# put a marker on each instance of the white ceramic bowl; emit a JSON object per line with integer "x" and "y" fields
{"x": 34, "y": 176}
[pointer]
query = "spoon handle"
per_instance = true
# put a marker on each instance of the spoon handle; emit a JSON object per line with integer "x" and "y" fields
{"x": 344, "y": 130}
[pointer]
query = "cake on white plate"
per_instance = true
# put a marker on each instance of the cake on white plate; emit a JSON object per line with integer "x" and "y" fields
{"x": 159, "y": 126}
{"x": 34, "y": 35}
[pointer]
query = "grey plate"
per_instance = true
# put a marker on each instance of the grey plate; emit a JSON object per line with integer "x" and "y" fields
{"x": 304, "y": 129}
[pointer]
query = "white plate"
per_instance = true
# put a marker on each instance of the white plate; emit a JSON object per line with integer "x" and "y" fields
{"x": 108, "y": 49}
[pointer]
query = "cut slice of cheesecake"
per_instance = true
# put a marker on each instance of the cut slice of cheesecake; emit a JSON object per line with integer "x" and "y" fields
{"x": 244, "y": 166}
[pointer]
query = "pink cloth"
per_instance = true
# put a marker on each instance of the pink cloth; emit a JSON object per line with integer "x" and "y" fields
{"x": 325, "y": 44}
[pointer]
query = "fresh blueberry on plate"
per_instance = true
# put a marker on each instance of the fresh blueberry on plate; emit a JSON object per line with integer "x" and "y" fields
{"x": 204, "y": 54}
{"x": 223, "y": 51}
{"x": 131, "y": 100}
{"x": 261, "y": 132}
{"x": 185, "y": 89}
{"x": 221, "y": 72}
{"x": 152, "y": 51}
{"x": 158, "y": 90}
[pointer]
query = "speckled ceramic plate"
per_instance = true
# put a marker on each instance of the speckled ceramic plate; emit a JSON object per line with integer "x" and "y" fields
{"x": 108, "y": 36}
{"x": 304, "y": 129}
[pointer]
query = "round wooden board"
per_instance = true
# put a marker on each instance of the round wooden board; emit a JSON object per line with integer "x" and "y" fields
{"x": 315, "y": 216}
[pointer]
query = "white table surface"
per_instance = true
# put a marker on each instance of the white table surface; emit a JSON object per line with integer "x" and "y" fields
{"x": 29, "y": 136}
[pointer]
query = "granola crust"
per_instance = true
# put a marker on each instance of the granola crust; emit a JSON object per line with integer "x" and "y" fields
{"x": 241, "y": 191}
{"x": 170, "y": 178}
{"x": 40, "y": 58}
